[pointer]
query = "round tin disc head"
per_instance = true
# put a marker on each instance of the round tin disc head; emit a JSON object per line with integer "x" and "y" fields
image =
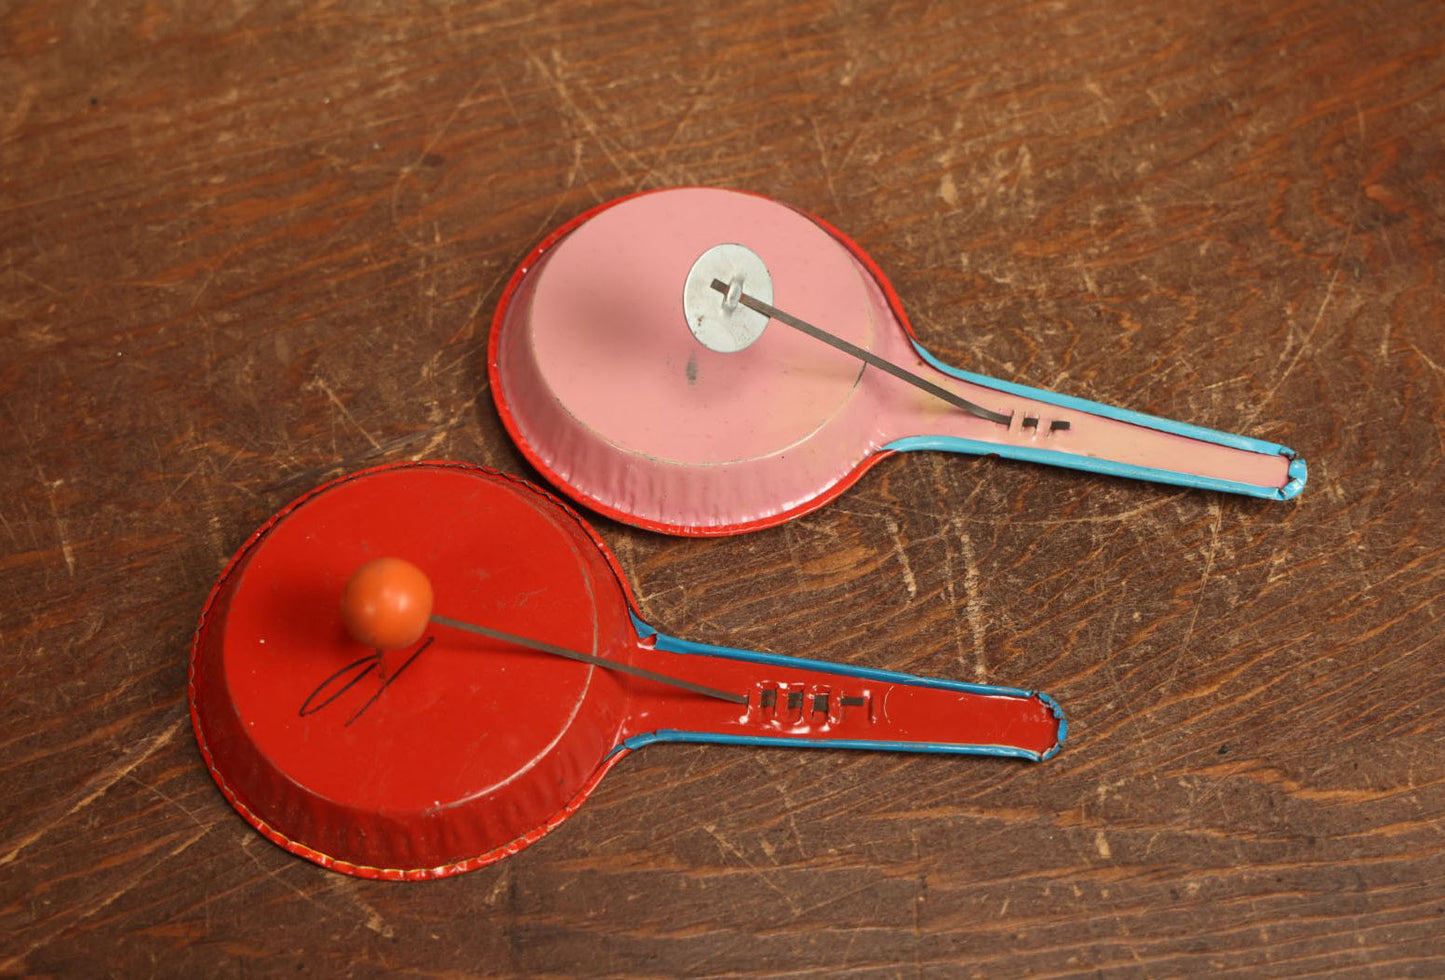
{"x": 716, "y": 319}
{"x": 684, "y": 430}
{"x": 424, "y": 761}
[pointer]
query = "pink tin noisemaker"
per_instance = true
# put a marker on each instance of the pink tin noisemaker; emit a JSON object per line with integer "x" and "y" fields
{"x": 704, "y": 361}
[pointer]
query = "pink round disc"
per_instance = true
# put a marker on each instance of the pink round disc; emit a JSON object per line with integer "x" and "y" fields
{"x": 605, "y": 387}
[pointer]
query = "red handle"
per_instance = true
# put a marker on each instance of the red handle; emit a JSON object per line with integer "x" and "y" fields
{"x": 793, "y": 701}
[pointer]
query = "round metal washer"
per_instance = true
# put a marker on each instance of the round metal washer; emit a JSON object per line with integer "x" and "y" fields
{"x": 719, "y": 321}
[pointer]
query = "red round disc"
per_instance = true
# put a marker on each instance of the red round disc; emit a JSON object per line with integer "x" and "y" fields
{"x": 431, "y": 759}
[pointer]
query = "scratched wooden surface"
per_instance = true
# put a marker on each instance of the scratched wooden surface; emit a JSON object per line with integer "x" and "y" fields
{"x": 246, "y": 247}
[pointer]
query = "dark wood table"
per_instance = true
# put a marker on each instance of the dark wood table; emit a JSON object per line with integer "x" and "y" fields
{"x": 244, "y": 250}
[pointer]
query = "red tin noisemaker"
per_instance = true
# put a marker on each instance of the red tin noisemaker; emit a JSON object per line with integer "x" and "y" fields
{"x": 505, "y": 706}
{"x": 705, "y": 361}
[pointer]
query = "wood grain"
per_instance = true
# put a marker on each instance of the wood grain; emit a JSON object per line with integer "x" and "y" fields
{"x": 244, "y": 247}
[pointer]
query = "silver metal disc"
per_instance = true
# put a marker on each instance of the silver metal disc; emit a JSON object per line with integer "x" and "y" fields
{"x": 719, "y": 321}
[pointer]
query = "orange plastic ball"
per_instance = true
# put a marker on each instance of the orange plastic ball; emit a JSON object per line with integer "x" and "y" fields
{"x": 387, "y": 604}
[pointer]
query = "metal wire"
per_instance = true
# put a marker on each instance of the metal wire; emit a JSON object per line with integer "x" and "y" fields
{"x": 867, "y": 357}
